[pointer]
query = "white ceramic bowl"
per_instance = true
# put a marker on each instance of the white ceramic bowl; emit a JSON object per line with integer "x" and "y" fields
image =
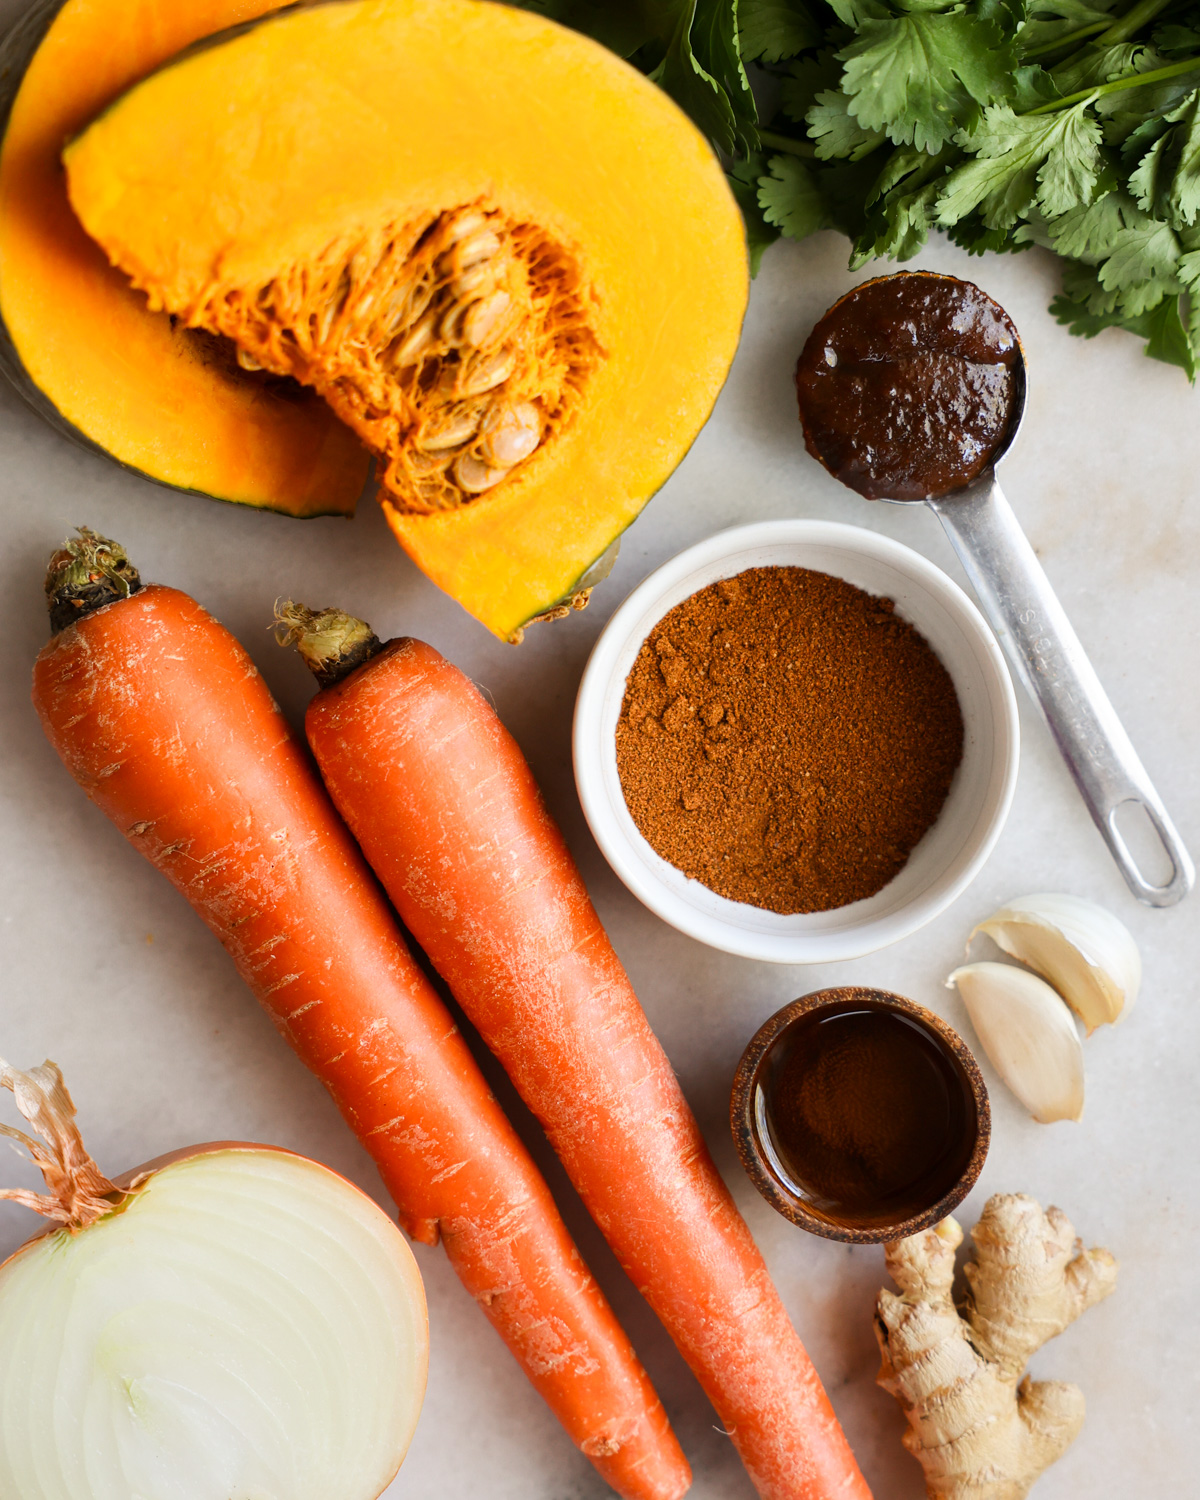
{"x": 950, "y": 854}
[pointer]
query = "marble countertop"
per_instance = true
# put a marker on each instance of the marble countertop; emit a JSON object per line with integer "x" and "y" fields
{"x": 106, "y": 969}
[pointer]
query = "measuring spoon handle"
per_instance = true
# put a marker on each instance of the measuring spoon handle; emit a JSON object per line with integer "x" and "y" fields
{"x": 1045, "y": 653}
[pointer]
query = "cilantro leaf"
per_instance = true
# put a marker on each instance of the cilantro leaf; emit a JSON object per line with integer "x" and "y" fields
{"x": 912, "y": 75}
{"x": 1143, "y": 266}
{"x": 854, "y": 13}
{"x": 1073, "y": 163}
{"x": 908, "y": 115}
{"x": 1090, "y": 234}
{"x": 743, "y": 180}
{"x": 1189, "y": 274}
{"x": 1052, "y": 20}
{"x": 1124, "y": 111}
{"x": 1138, "y": 141}
{"x": 1189, "y": 271}
{"x": 1167, "y": 337}
{"x": 1176, "y": 40}
{"x": 1081, "y": 286}
{"x": 1053, "y": 160}
{"x": 836, "y": 131}
{"x": 899, "y": 230}
{"x": 692, "y": 86}
{"x": 1031, "y": 87}
{"x": 1166, "y": 182}
{"x": 688, "y": 47}
{"x": 1092, "y": 65}
{"x": 900, "y": 205}
{"x": 771, "y": 30}
{"x": 925, "y": 6}
{"x": 904, "y": 165}
{"x": 806, "y": 78}
{"x": 1010, "y": 15}
{"x": 846, "y": 187}
{"x": 791, "y": 198}
{"x": 1077, "y": 12}
{"x": 1080, "y": 320}
{"x": 714, "y": 43}
{"x": 977, "y": 238}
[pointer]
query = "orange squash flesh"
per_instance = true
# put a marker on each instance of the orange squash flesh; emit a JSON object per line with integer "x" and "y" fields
{"x": 151, "y": 395}
{"x": 298, "y": 143}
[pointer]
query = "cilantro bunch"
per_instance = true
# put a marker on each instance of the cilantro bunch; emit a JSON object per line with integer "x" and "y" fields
{"x": 1072, "y": 124}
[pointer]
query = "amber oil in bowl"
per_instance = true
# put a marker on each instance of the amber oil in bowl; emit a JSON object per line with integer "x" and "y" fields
{"x": 860, "y": 1115}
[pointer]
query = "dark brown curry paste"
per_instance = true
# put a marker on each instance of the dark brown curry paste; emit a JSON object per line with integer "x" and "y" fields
{"x": 908, "y": 385}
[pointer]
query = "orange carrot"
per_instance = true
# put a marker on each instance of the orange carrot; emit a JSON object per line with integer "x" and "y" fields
{"x": 162, "y": 718}
{"x": 447, "y": 812}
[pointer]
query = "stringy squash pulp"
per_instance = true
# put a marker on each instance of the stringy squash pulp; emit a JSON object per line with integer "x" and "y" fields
{"x": 78, "y": 341}
{"x": 504, "y": 258}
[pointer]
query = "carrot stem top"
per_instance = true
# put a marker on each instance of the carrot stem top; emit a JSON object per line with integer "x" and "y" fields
{"x": 85, "y": 574}
{"x": 331, "y": 642}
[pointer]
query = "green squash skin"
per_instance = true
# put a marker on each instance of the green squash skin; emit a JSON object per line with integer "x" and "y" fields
{"x": 16, "y": 53}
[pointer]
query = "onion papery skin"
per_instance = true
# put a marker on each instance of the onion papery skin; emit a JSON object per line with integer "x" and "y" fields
{"x": 245, "y": 1325}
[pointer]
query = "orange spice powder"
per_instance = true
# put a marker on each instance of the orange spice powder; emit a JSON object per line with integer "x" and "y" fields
{"x": 787, "y": 739}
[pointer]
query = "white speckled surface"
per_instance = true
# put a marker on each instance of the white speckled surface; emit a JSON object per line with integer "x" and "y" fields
{"x": 105, "y": 969}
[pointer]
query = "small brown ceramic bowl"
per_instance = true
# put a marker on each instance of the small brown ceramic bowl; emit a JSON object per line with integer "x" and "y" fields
{"x": 860, "y": 1115}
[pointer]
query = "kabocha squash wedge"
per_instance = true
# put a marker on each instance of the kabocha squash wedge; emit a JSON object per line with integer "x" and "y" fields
{"x": 507, "y": 260}
{"x": 79, "y": 343}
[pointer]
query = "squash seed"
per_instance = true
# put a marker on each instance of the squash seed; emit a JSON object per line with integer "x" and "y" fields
{"x": 331, "y": 308}
{"x": 459, "y": 426}
{"x": 474, "y": 477}
{"x": 473, "y": 280}
{"x": 510, "y": 434}
{"x": 465, "y": 224}
{"x": 408, "y": 329}
{"x": 405, "y": 309}
{"x": 484, "y": 372}
{"x": 473, "y": 254}
{"x": 418, "y": 341}
{"x": 484, "y": 317}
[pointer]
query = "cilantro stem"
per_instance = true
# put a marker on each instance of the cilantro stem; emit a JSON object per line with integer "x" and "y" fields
{"x": 1131, "y": 21}
{"x": 930, "y": 168}
{"x": 1118, "y": 85}
{"x": 786, "y": 143}
{"x": 1106, "y": 33}
{"x": 1063, "y": 43}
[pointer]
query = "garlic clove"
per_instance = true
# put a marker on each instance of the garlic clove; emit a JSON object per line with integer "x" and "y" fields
{"x": 1084, "y": 951}
{"x": 1028, "y": 1034}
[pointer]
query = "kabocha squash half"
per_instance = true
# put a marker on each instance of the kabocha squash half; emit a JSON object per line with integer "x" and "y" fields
{"x": 507, "y": 261}
{"x": 79, "y": 342}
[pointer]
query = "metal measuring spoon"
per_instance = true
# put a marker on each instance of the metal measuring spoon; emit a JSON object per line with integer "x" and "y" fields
{"x": 1045, "y": 653}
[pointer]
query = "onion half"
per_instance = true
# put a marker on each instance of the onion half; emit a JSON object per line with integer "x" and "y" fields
{"x": 233, "y": 1323}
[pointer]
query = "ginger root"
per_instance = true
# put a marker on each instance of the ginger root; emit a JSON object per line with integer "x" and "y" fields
{"x": 978, "y": 1435}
